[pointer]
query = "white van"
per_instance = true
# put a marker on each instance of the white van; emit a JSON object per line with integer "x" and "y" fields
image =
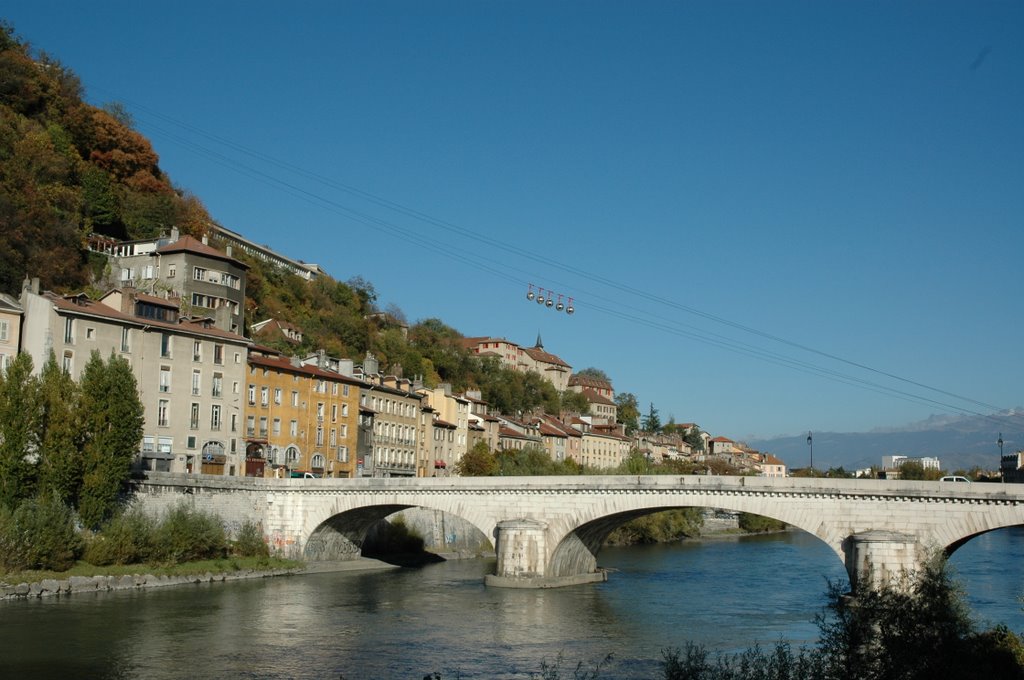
{"x": 955, "y": 478}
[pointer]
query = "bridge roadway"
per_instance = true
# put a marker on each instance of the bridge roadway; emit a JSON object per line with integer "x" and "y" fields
{"x": 547, "y": 531}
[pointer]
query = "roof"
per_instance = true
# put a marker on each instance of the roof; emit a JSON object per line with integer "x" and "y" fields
{"x": 595, "y": 398}
{"x": 190, "y": 244}
{"x": 154, "y": 300}
{"x": 723, "y": 440}
{"x": 540, "y": 355}
{"x": 509, "y": 433}
{"x": 9, "y": 303}
{"x": 589, "y": 381}
{"x": 444, "y": 423}
{"x": 80, "y": 304}
{"x": 285, "y": 365}
{"x": 769, "y": 459}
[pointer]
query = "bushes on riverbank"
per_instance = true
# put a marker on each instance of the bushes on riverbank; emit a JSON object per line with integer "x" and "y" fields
{"x": 41, "y": 534}
{"x": 659, "y": 527}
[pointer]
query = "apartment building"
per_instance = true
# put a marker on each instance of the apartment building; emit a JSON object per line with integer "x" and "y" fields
{"x": 299, "y": 418}
{"x": 10, "y": 329}
{"x": 188, "y": 371}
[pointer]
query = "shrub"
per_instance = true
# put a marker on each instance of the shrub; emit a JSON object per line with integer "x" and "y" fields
{"x": 757, "y": 524}
{"x": 126, "y": 539}
{"x": 249, "y": 542}
{"x": 39, "y": 534}
{"x": 186, "y": 534}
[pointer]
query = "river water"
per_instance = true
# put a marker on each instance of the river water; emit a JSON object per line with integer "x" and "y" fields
{"x": 405, "y": 623}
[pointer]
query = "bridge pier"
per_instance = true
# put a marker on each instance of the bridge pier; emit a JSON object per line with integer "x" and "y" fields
{"x": 879, "y": 558}
{"x": 521, "y": 547}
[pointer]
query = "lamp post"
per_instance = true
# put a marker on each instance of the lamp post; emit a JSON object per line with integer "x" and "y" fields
{"x": 810, "y": 443}
{"x": 1000, "y": 443}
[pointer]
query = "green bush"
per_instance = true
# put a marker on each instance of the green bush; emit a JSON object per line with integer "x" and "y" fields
{"x": 126, "y": 539}
{"x": 185, "y": 534}
{"x": 249, "y": 542}
{"x": 39, "y": 534}
{"x": 757, "y": 524}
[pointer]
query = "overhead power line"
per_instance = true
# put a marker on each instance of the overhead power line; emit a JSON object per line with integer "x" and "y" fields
{"x": 503, "y": 270}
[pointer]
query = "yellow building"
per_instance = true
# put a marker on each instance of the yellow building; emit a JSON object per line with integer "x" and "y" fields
{"x": 299, "y": 418}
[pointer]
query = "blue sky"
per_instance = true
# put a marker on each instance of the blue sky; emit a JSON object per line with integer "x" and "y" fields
{"x": 705, "y": 179}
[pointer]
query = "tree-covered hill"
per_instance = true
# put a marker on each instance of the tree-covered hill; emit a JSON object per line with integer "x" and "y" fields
{"x": 68, "y": 169}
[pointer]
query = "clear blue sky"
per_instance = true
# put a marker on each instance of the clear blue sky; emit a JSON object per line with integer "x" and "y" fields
{"x": 846, "y": 176}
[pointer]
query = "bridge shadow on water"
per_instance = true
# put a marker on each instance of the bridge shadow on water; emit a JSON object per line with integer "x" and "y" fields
{"x": 394, "y": 543}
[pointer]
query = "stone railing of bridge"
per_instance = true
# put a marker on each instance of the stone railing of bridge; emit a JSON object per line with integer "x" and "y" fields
{"x": 547, "y": 531}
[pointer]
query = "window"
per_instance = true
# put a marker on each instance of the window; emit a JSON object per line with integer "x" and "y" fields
{"x": 277, "y": 426}
{"x": 69, "y": 331}
{"x": 163, "y": 406}
{"x": 165, "y": 345}
{"x": 199, "y": 274}
{"x": 295, "y": 398}
{"x": 171, "y": 271}
{"x": 334, "y": 389}
{"x": 291, "y": 455}
{"x": 250, "y": 426}
{"x": 147, "y": 271}
{"x": 344, "y": 390}
{"x": 318, "y": 461}
{"x": 218, "y": 354}
{"x": 319, "y": 436}
{"x": 334, "y": 413}
{"x": 265, "y": 396}
{"x": 343, "y": 454}
{"x": 197, "y": 347}
{"x": 320, "y": 411}
{"x": 193, "y": 421}
{"x": 344, "y": 410}
{"x": 263, "y": 427}
{"x": 334, "y": 437}
{"x": 149, "y": 443}
{"x": 4, "y": 330}
{"x": 215, "y": 417}
{"x": 190, "y": 442}
{"x": 234, "y": 423}
{"x": 293, "y": 428}
{"x": 165, "y": 378}
{"x": 277, "y": 396}
{"x": 197, "y": 379}
{"x": 164, "y": 444}
{"x": 218, "y": 385}
{"x": 344, "y": 430}
{"x": 238, "y": 358}
{"x": 252, "y": 395}
{"x": 67, "y": 361}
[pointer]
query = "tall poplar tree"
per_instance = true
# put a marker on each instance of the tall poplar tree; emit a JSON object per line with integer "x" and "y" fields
{"x": 112, "y": 419}
{"x": 18, "y": 428}
{"x": 60, "y": 439}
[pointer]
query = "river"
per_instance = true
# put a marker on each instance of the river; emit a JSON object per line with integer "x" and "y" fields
{"x": 727, "y": 593}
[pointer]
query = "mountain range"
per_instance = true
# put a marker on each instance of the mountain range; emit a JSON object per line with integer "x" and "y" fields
{"x": 959, "y": 442}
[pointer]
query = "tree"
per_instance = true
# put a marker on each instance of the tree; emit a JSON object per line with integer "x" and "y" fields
{"x": 592, "y": 372}
{"x": 628, "y": 410}
{"x": 652, "y": 423}
{"x": 575, "y": 402}
{"x": 112, "y": 418}
{"x": 19, "y": 418}
{"x": 60, "y": 456}
{"x": 478, "y": 462}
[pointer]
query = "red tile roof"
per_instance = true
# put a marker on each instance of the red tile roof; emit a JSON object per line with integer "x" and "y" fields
{"x": 595, "y": 398}
{"x": 541, "y": 356}
{"x": 589, "y": 381}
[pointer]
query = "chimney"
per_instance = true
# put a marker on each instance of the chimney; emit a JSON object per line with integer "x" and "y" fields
{"x": 206, "y": 240}
{"x": 295, "y": 361}
{"x": 228, "y": 250}
{"x": 346, "y": 367}
{"x": 175, "y": 234}
{"x": 370, "y": 364}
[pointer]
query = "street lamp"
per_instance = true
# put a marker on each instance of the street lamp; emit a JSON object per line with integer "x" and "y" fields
{"x": 810, "y": 443}
{"x": 1000, "y": 443}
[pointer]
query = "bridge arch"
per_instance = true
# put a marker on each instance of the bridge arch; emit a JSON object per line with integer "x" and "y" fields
{"x": 577, "y": 548}
{"x": 337, "y": 533}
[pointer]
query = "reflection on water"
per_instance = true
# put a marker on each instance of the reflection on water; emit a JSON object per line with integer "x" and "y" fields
{"x": 725, "y": 593}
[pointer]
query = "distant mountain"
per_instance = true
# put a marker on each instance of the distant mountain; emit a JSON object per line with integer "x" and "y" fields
{"x": 957, "y": 441}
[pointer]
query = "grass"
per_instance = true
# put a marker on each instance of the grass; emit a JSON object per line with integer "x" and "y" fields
{"x": 217, "y": 566}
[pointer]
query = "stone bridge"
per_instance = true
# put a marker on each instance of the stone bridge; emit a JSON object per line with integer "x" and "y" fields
{"x": 548, "y": 531}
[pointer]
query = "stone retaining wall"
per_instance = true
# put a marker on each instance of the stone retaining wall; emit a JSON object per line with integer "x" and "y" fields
{"x": 93, "y": 584}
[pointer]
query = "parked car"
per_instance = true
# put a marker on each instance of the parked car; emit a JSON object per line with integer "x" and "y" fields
{"x": 955, "y": 478}
{"x": 302, "y": 474}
